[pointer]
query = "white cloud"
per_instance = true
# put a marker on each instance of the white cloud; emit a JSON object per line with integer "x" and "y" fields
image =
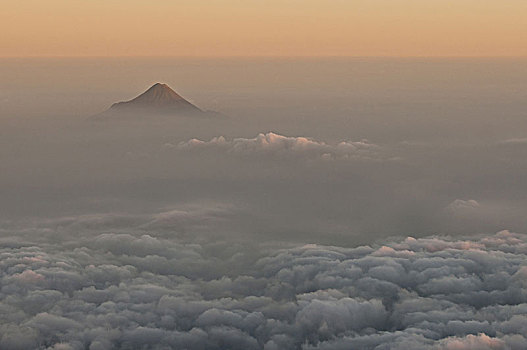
{"x": 272, "y": 144}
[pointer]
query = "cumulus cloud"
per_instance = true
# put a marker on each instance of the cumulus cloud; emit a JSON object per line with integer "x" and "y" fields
{"x": 272, "y": 144}
{"x": 136, "y": 291}
{"x": 473, "y": 342}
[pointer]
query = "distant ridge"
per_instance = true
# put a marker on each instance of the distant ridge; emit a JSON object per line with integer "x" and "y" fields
{"x": 159, "y": 99}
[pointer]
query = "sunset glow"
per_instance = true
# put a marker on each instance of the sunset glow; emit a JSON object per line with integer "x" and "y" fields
{"x": 262, "y": 28}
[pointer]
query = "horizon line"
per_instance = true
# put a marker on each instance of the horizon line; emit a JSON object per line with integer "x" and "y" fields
{"x": 264, "y": 56}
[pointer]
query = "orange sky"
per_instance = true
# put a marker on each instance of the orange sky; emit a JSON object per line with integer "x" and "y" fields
{"x": 263, "y": 27}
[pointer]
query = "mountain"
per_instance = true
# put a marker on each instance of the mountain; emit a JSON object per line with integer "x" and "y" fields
{"x": 158, "y": 100}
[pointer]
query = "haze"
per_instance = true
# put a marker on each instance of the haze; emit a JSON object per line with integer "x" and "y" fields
{"x": 439, "y": 131}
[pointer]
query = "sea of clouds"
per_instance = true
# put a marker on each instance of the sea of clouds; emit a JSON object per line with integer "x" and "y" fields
{"x": 142, "y": 291}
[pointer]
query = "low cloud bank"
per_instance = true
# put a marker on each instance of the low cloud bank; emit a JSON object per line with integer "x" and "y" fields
{"x": 139, "y": 291}
{"x": 514, "y": 141}
{"x": 272, "y": 144}
{"x": 196, "y": 217}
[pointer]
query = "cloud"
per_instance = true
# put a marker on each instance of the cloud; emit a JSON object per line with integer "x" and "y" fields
{"x": 462, "y": 206}
{"x": 191, "y": 216}
{"x": 275, "y": 145}
{"x": 514, "y": 141}
{"x": 473, "y": 342}
{"x": 194, "y": 216}
{"x": 138, "y": 290}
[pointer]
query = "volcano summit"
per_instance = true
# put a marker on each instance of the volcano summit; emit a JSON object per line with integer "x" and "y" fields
{"x": 158, "y": 100}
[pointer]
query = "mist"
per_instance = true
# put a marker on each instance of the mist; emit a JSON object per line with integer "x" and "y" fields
{"x": 438, "y": 131}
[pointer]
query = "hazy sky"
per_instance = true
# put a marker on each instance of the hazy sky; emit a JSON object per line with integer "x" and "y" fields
{"x": 270, "y": 27}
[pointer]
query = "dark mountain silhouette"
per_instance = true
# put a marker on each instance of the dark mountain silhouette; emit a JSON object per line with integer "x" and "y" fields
{"x": 159, "y": 99}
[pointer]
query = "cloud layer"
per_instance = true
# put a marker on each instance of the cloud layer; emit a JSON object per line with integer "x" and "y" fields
{"x": 271, "y": 144}
{"x": 140, "y": 291}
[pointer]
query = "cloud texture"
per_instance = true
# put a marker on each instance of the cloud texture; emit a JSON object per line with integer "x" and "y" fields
{"x": 271, "y": 144}
{"x": 140, "y": 291}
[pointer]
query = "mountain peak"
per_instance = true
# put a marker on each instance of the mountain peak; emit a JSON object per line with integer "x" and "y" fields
{"x": 160, "y": 95}
{"x": 158, "y": 99}
{"x": 159, "y": 87}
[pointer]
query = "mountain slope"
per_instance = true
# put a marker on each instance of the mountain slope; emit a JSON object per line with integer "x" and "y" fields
{"x": 159, "y": 97}
{"x": 158, "y": 100}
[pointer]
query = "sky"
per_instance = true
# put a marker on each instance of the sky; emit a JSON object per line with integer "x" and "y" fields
{"x": 264, "y": 28}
